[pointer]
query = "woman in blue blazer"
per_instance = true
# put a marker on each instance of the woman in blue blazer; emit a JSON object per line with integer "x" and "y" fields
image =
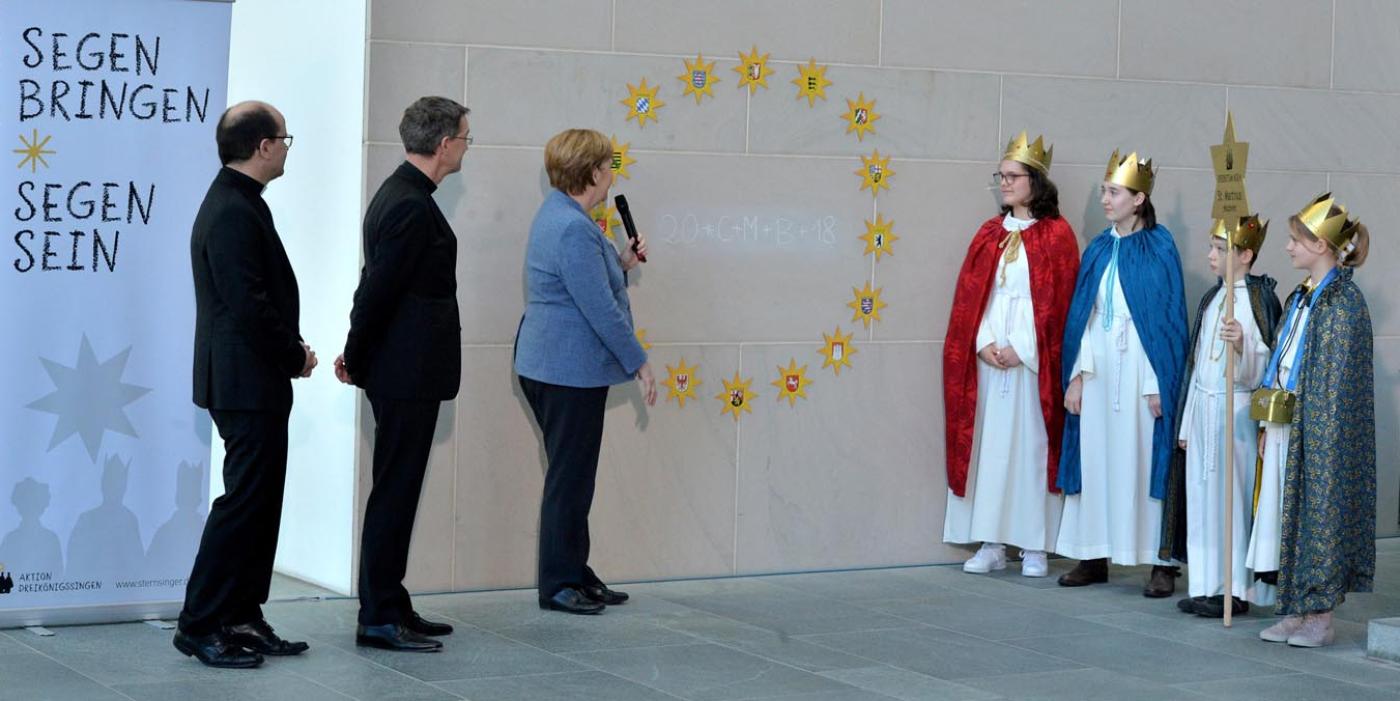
{"x": 575, "y": 341}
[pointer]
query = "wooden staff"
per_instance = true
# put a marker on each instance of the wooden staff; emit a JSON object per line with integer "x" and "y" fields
{"x": 1229, "y": 600}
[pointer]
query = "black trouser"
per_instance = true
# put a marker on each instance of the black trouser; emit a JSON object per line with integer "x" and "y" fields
{"x": 233, "y": 570}
{"x": 403, "y": 437}
{"x": 571, "y": 419}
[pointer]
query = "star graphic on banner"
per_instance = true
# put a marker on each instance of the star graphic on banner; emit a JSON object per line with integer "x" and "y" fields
{"x": 34, "y": 151}
{"x": 792, "y": 382}
{"x": 699, "y": 78}
{"x": 736, "y": 396}
{"x": 606, "y": 219}
{"x": 620, "y": 159}
{"x": 642, "y": 339}
{"x": 89, "y": 398}
{"x": 879, "y": 237}
{"x": 860, "y": 116}
{"x": 681, "y": 382}
{"x": 641, "y": 103}
{"x": 837, "y": 350}
{"x": 811, "y": 82}
{"x": 867, "y": 304}
{"x": 875, "y": 172}
{"x": 753, "y": 70}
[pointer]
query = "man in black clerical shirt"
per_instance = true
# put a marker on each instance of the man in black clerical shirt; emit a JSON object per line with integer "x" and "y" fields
{"x": 404, "y": 350}
{"x": 247, "y": 349}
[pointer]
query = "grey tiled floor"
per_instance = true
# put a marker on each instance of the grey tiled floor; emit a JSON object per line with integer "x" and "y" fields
{"x": 912, "y": 633}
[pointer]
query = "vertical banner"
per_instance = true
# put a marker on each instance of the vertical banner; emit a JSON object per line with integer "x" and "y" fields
{"x": 107, "y": 110}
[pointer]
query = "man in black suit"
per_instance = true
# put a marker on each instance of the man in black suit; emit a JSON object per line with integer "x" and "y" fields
{"x": 404, "y": 349}
{"x": 247, "y": 349}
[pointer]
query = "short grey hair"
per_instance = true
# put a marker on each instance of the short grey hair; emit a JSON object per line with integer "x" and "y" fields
{"x": 427, "y": 121}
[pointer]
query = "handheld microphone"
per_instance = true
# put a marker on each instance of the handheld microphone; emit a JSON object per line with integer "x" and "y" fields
{"x": 626, "y": 213}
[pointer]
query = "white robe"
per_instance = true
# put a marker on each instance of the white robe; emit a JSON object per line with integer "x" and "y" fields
{"x": 1264, "y": 538}
{"x": 1114, "y": 515}
{"x": 1007, "y": 497}
{"x": 1202, "y": 428}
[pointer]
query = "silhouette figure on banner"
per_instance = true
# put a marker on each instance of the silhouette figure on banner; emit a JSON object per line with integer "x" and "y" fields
{"x": 175, "y": 543}
{"x": 31, "y": 547}
{"x": 106, "y": 541}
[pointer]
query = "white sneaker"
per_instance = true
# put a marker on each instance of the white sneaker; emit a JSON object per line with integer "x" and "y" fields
{"x": 990, "y": 557}
{"x": 1033, "y": 563}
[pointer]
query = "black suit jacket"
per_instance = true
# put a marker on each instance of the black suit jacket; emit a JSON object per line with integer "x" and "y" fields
{"x": 405, "y": 338}
{"x": 247, "y": 345}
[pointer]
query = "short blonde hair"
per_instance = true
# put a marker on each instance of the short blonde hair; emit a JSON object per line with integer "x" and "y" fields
{"x": 571, "y": 157}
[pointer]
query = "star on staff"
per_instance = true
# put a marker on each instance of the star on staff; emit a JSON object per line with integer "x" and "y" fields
{"x": 34, "y": 151}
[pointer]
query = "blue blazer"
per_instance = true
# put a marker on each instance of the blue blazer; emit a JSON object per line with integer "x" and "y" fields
{"x": 577, "y": 329}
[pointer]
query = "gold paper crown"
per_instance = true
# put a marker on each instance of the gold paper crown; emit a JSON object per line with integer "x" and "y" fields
{"x": 1129, "y": 172}
{"x": 1033, "y": 154}
{"x": 1242, "y": 232}
{"x": 1335, "y": 229}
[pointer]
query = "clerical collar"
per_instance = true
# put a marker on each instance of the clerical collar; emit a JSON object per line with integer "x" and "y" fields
{"x": 1011, "y": 223}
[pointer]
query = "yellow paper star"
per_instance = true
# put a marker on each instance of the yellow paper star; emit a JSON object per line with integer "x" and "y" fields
{"x": 642, "y": 339}
{"x": 879, "y": 237}
{"x": 867, "y": 304}
{"x": 837, "y": 350}
{"x": 620, "y": 159}
{"x": 860, "y": 116}
{"x": 736, "y": 396}
{"x": 811, "y": 82}
{"x": 875, "y": 172}
{"x": 34, "y": 151}
{"x": 753, "y": 70}
{"x": 605, "y": 217}
{"x": 642, "y": 104}
{"x": 792, "y": 382}
{"x": 682, "y": 381}
{"x": 699, "y": 78}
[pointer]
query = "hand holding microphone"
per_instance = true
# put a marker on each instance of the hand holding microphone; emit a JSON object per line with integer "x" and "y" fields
{"x": 625, "y": 212}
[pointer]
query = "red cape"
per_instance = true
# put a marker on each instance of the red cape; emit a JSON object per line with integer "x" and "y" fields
{"x": 1052, "y": 252}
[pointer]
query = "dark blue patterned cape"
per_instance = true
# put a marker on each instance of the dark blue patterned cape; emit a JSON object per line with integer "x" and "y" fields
{"x": 1149, "y": 270}
{"x": 1328, "y": 541}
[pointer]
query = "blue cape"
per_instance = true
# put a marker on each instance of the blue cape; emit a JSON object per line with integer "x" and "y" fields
{"x": 1149, "y": 270}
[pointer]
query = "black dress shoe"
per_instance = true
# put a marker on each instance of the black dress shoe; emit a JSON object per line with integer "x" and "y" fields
{"x": 1190, "y": 604}
{"x": 393, "y": 636}
{"x": 572, "y": 601}
{"x": 259, "y": 637}
{"x": 1087, "y": 572}
{"x": 1214, "y": 607}
{"x": 603, "y": 595}
{"x": 423, "y": 626}
{"x": 216, "y": 651}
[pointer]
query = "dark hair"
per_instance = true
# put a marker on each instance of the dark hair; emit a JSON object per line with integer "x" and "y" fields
{"x": 1045, "y": 197}
{"x": 1147, "y": 214}
{"x": 427, "y": 121}
{"x": 239, "y": 136}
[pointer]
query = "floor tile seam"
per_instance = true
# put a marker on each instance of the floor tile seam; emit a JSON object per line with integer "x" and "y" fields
{"x": 1218, "y": 653}
{"x": 358, "y": 658}
{"x": 60, "y": 663}
{"x": 897, "y": 668}
{"x": 323, "y": 686}
{"x": 533, "y": 675}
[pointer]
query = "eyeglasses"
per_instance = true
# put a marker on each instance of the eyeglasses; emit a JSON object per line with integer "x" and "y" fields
{"x": 998, "y": 177}
{"x": 467, "y": 138}
{"x": 284, "y": 138}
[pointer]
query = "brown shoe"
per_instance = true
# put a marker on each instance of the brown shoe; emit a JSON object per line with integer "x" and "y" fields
{"x": 1086, "y": 572}
{"x": 1162, "y": 583}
